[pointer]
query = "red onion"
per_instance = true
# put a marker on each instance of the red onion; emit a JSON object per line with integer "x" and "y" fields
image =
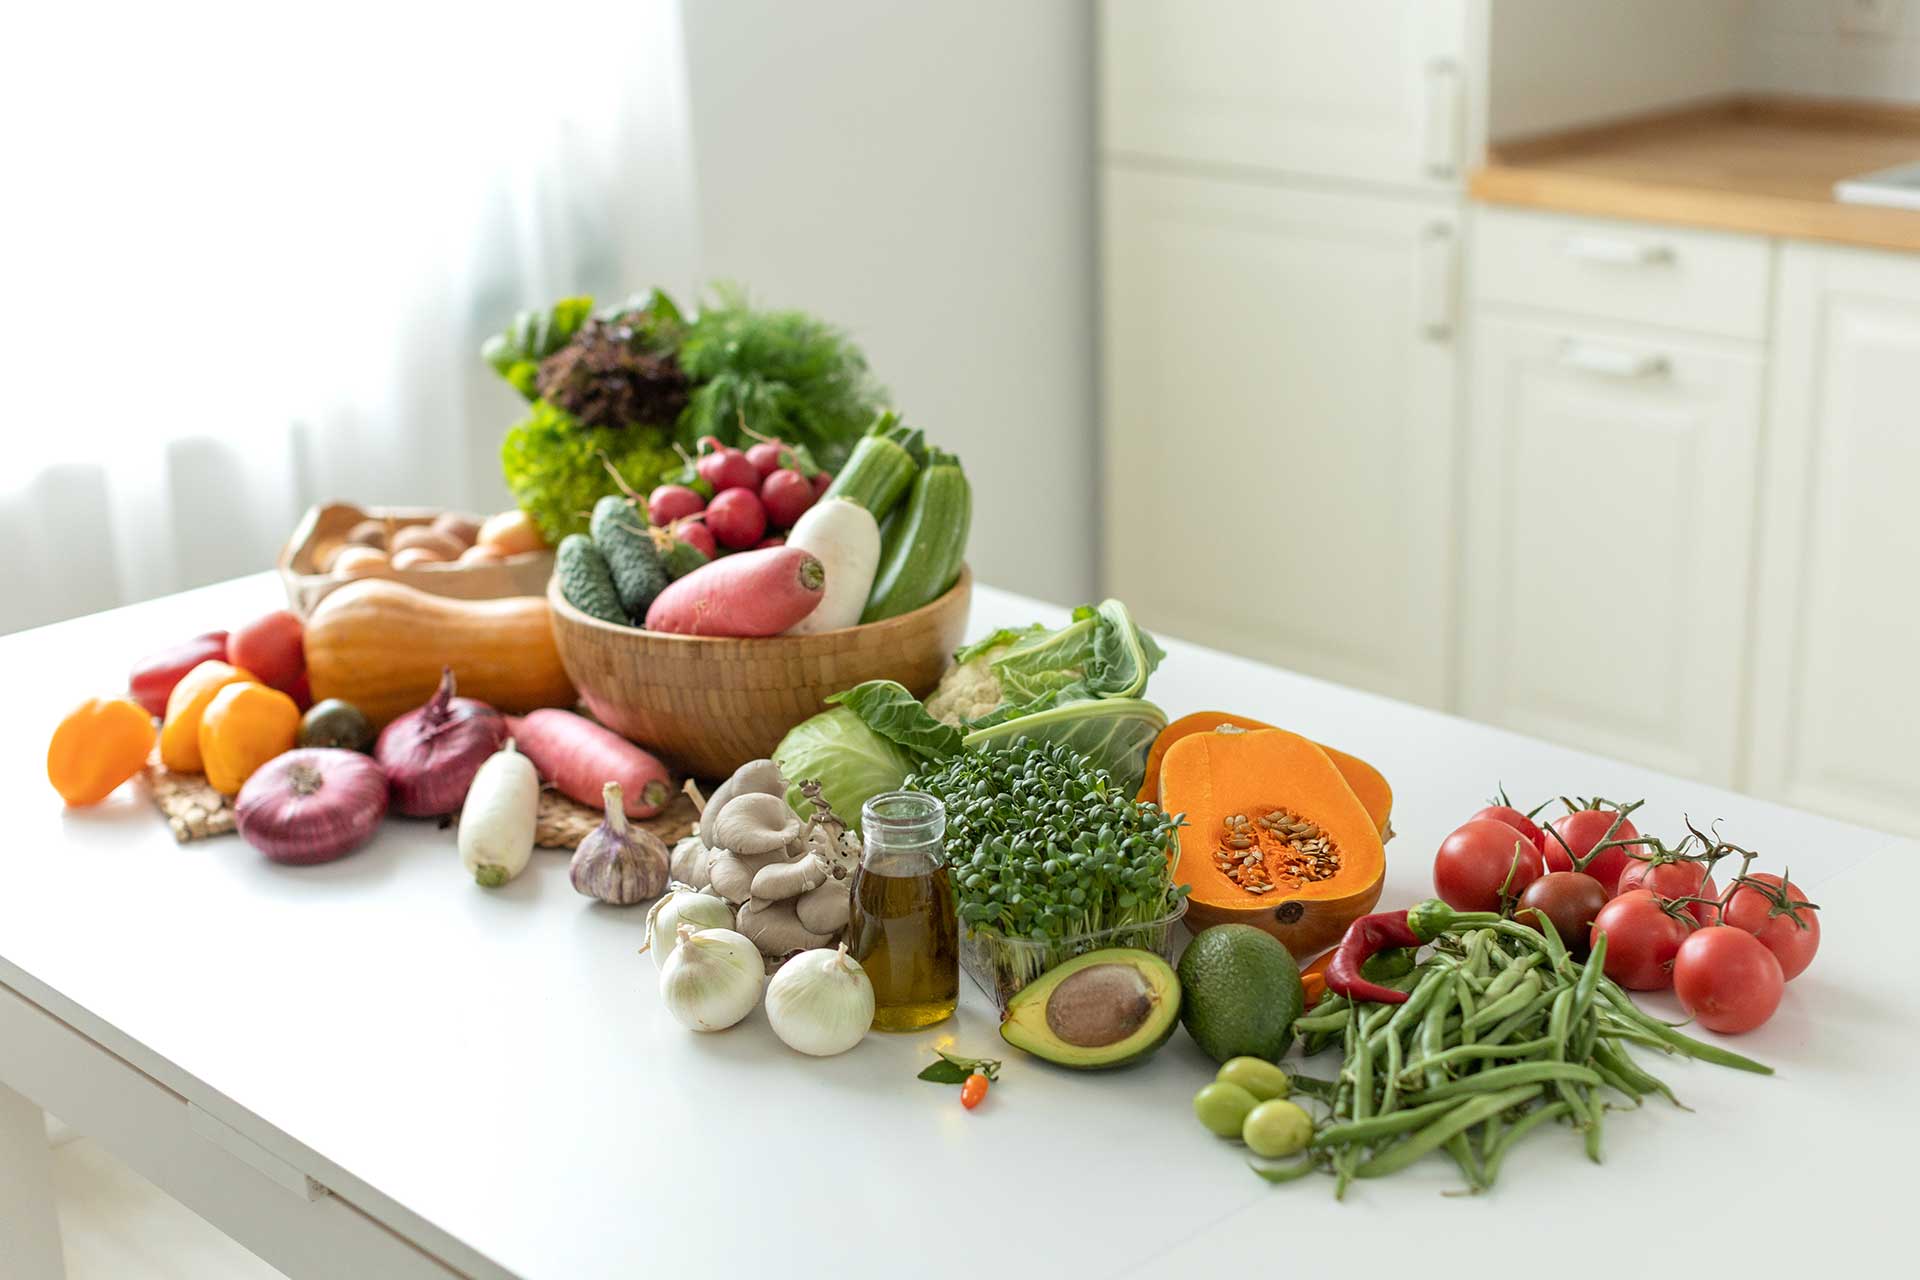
{"x": 312, "y": 805}
{"x": 431, "y": 754}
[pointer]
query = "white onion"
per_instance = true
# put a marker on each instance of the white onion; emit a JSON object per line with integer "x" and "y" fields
{"x": 712, "y": 979}
{"x": 821, "y": 1002}
{"x": 682, "y": 905}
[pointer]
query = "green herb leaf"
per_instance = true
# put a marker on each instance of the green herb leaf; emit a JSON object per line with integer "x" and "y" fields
{"x": 953, "y": 1069}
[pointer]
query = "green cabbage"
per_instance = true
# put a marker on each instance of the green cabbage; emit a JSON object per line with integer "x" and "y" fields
{"x": 850, "y": 761}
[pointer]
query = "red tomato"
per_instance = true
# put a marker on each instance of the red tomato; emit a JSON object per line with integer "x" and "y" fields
{"x": 786, "y": 496}
{"x": 1674, "y": 880}
{"x": 1642, "y": 940}
{"x": 1792, "y": 936}
{"x": 1482, "y": 860}
{"x": 270, "y": 647}
{"x": 1519, "y": 822}
{"x": 1727, "y": 979}
{"x": 737, "y": 518}
{"x": 1582, "y": 830}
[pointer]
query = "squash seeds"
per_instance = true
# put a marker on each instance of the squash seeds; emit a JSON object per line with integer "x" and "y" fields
{"x": 1276, "y": 850}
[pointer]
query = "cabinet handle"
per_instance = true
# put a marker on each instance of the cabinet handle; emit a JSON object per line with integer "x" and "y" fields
{"x": 1592, "y": 357}
{"x": 1439, "y": 281}
{"x": 1446, "y": 102}
{"x": 1617, "y": 253}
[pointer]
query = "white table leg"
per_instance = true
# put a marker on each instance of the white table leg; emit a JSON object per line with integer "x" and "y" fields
{"x": 29, "y": 1220}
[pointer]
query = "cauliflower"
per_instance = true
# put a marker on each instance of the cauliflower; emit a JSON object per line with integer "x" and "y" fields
{"x": 968, "y": 691}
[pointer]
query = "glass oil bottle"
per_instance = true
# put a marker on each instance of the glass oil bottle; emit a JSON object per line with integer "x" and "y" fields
{"x": 904, "y": 930}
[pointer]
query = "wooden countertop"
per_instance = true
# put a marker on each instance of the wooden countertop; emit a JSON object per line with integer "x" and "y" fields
{"x": 1765, "y": 166}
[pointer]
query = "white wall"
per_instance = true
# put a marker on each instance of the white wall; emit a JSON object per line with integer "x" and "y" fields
{"x": 922, "y": 174}
{"x": 1800, "y": 47}
{"x": 1555, "y": 64}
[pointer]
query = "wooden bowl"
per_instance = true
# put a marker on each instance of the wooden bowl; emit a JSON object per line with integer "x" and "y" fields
{"x": 709, "y": 704}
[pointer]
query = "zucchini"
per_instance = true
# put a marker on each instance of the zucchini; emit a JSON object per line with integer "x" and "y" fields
{"x": 921, "y": 553}
{"x": 620, "y": 532}
{"x": 882, "y": 466}
{"x": 585, "y": 580}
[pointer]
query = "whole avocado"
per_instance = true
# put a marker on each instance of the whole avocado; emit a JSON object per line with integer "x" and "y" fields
{"x": 1240, "y": 993}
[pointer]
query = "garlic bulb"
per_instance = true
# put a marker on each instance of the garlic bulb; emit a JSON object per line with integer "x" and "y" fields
{"x": 712, "y": 979}
{"x": 688, "y": 864}
{"x": 821, "y": 1002}
{"x": 683, "y": 904}
{"x": 617, "y": 863}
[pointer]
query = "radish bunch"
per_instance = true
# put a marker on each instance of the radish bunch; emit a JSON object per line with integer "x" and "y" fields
{"x": 757, "y": 494}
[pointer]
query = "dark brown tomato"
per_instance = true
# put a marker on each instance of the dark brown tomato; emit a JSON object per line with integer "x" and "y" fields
{"x": 1570, "y": 900}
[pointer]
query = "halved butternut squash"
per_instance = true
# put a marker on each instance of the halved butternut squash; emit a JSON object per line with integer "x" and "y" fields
{"x": 1274, "y": 837}
{"x": 1368, "y": 783}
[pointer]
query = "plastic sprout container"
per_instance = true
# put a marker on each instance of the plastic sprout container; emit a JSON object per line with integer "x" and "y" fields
{"x": 1001, "y": 966}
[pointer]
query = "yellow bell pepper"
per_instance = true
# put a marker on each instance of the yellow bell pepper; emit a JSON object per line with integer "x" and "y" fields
{"x": 180, "y": 730}
{"x": 97, "y": 746}
{"x": 245, "y": 726}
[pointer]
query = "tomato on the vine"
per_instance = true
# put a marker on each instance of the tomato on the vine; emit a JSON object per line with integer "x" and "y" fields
{"x": 1727, "y": 979}
{"x": 1642, "y": 940}
{"x": 1481, "y": 862}
{"x": 1578, "y": 833}
{"x": 1792, "y": 933}
{"x": 1570, "y": 900}
{"x": 1517, "y": 820}
{"x": 1681, "y": 879}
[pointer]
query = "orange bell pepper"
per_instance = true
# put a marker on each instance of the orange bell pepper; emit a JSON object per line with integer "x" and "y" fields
{"x": 96, "y": 747}
{"x": 180, "y": 731}
{"x": 244, "y": 726}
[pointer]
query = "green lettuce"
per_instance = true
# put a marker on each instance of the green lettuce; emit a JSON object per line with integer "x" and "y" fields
{"x": 557, "y": 467}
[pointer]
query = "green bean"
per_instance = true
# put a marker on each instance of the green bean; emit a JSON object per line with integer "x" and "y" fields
{"x": 1457, "y": 1121}
{"x": 1363, "y": 1062}
{"x": 1531, "y": 1013}
{"x": 1619, "y": 1028}
{"x": 1316, "y": 1022}
{"x": 1557, "y": 1022}
{"x": 1462, "y": 1153}
{"x": 1490, "y": 1165}
{"x": 1599, "y": 1110}
{"x": 1503, "y": 1077}
{"x": 1512, "y": 1002}
{"x": 1314, "y": 1087}
{"x": 1332, "y": 1002}
{"x": 1477, "y": 962}
{"x": 1618, "y": 1083}
{"x": 1462, "y": 1052}
{"x": 1622, "y": 1064}
{"x": 1423, "y": 995}
{"x": 1551, "y": 948}
{"x": 1285, "y": 1173}
{"x": 1382, "y": 1126}
{"x": 1685, "y": 1044}
{"x": 1390, "y": 1090}
{"x": 1510, "y": 977}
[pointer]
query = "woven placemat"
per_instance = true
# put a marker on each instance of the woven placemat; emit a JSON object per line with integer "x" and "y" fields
{"x": 195, "y": 811}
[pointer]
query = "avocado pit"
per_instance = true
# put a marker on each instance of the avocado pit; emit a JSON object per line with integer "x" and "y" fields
{"x": 1100, "y": 1006}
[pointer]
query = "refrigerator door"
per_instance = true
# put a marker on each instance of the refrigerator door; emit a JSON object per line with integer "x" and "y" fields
{"x": 1366, "y": 90}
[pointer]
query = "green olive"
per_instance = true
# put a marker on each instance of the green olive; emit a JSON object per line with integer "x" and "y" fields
{"x": 1224, "y": 1108}
{"x": 1257, "y": 1076}
{"x": 1276, "y": 1128}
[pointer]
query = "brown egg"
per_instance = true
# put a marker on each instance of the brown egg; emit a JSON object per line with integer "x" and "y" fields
{"x": 511, "y": 533}
{"x": 416, "y": 558}
{"x": 368, "y": 533}
{"x": 426, "y": 538}
{"x": 458, "y": 525}
{"x": 359, "y": 562}
{"x": 481, "y": 553}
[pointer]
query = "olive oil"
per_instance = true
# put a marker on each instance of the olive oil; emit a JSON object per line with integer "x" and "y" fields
{"x": 903, "y": 930}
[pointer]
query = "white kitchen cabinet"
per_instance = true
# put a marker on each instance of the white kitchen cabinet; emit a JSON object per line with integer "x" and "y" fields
{"x": 1279, "y": 384}
{"x": 1836, "y": 673}
{"x": 1609, "y": 525}
{"x": 1366, "y": 90}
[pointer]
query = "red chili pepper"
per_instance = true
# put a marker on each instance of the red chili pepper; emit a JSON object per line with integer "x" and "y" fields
{"x": 1364, "y": 938}
{"x": 973, "y": 1091}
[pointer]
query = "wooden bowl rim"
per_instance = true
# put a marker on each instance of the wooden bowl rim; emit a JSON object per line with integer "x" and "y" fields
{"x": 562, "y": 607}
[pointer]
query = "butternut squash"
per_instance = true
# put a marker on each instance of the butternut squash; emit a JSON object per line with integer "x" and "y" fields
{"x": 381, "y": 645}
{"x": 1367, "y": 782}
{"x": 1274, "y": 837}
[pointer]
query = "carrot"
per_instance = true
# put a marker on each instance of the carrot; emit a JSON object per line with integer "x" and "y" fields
{"x": 578, "y": 757}
{"x": 754, "y": 593}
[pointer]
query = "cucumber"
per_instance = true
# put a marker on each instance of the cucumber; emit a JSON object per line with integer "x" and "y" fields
{"x": 585, "y": 580}
{"x": 620, "y": 533}
{"x": 882, "y": 466}
{"x": 921, "y": 553}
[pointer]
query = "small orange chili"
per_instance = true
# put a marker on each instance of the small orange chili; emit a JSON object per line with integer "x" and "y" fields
{"x": 99, "y": 745}
{"x": 973, "y": 1091}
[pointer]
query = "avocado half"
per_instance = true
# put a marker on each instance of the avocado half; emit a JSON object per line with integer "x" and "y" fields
{"x": 1102, "y": 1009}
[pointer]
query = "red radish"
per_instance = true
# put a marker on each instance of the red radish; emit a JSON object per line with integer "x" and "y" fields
{"x": 771, "y": 540}
{"x": 270, "y": 647}
{"x": 154, "y": 676}
{"x": 670, "y": 502}
{"x": 737, "y": 518}
{"x": 727, "y": 469}
{"x": 786, "y": 496}
{"x": 756, "y": 593}
{"x": 578, "y": 758}
{"x": 696, "y": 535}
{"x": 820, "y": 483}
{"x": 708, "y": 444}
{"x": 769, "y": 456}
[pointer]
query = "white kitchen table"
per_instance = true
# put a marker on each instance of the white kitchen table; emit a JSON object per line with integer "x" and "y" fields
{"x": 374, "y": 1069}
